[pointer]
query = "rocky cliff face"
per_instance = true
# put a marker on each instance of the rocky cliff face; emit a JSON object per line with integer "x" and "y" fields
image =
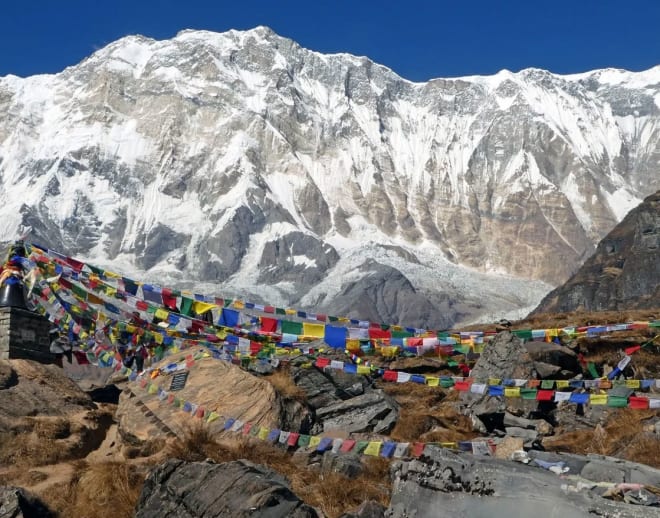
{"x": 248, "y": 163}
{"x": 623, "y": 273}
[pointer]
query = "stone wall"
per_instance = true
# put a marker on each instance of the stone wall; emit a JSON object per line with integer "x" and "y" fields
{"x": 24, "y": 335}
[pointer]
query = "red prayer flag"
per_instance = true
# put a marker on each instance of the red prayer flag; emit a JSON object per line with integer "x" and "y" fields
{"x": 247, "y": 427}
{"x": 293, "y": 439}
{"x": 638, "y": 402}
{"x": 377, "y": 332}
{"x": 322, "y": 362}
{"x": 268, "y": 325}
{"x": 269, "y": 309}
{"x": 545, "y": 395}
{"x": 462, "y": 385}
{"x": 633, "y": 349}
{"x": 390, "y": 376}
{"x": 418, "y": 449}
{"x": 347, "y": 445}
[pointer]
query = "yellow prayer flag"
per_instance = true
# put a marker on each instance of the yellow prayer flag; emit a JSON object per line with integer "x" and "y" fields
{"x": 112, "y": 275}
{"x": 494, "y": 381}
{"x": 212, "y": 417}
{"x": 633, "y": 384}
{"x": 363, "y": 369}
{"x": 290, "y": 311}
{"x": 238, "y": 304}
{"x": 511, "y": 391}
{"x": 598, "y": 399}
{"x": 432, "y": 382}
{"x": 453, "y": 445}
{"x": 200, "y": 307}
{"x": 389, "y": 351}
{"x": 161, "y": 313}
{"x": 110, "y": 291}
{"x": 315, "y": 330}
{"x": 263, "y": 433}
{"x": 562, "y": 384}
{"x": 153, "y": 388}
{"x": 373, "y": 448}
{"x": 314, "y": 441}
{"x": 353, "y": 345}
{"x": 158, "y": 337}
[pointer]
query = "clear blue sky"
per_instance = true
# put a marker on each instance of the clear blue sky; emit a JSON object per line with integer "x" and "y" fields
{"x": 418, "y": 39}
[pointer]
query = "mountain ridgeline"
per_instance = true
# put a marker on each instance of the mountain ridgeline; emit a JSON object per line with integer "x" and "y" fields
{"x": 242, "y": 163}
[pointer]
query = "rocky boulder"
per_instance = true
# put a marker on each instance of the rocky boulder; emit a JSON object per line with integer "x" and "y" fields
{"x": 214, "y": 385}
{"x": 15, "y": 502}
{"x": 505, "y": 357}
{"x": 477, "y": 486}
{"x": 372, "y": 412}
{"x": 180, "y": 489}
{"x": 29, "y": 389}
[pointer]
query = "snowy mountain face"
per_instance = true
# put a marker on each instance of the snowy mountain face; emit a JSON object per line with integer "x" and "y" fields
{"x": 242, "y": 164}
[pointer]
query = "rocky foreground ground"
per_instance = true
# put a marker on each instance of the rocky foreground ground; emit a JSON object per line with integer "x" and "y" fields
{"x": 124, "y": 449}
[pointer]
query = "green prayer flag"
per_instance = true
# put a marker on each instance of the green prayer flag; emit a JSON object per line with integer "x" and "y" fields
{"x": 591, "y": 367}
{"x": 303, "y": 440}
{"x": 446, "y": 382}
{"x": 547, "y": 384}
{"x": 79, "y": 292}
{"x": 292, "y": 328}
{"x": 528, "y": 393}
{"x": 280, "y": 311}
{"x": 525, "y": 334}
{"x": 186, "y": 306}
{"x": 617, "y": 401}
{"x": 401, "y": 334}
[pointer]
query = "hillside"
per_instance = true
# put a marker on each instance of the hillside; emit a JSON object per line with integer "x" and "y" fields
{"x": 624, "y": 271}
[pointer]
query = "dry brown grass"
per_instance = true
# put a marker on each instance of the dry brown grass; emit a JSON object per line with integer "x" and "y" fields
{"x": 427, "y": 414}
{"x": 29, "y": 450}
{"x": 103, "y": 490}
{"x": 284, "y": 385}
{"x": 623, "y": 436}
{"x": 333, "y": 493}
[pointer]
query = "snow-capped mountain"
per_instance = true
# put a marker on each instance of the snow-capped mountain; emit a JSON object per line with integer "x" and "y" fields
{"x": 242, "y": 163}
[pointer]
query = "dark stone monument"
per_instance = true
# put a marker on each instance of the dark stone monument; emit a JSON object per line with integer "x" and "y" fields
{"x": 23, "y": 333}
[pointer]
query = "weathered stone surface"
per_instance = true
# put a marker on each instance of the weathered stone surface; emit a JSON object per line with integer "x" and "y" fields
{"x": 30, "y": 390}
{"x": 15, "y": 502}
{"x": 348, "y": 465}
{"x": 541, "y": 426}
{"x": 497, "y": 361}
{"x": 482, "y": 487}
{"x": 180, "y": 489}
{"x": 527, "y": 435}
{"x": 372, "y": 412}
{"x": 318, "y": 388}
{"x": 215, "y": 385}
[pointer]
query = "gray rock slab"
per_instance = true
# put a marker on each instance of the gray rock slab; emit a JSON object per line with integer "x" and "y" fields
{"x": 178, "y": 489}
{"x": 447, "y": 483}
{"x": 372, "y": 412}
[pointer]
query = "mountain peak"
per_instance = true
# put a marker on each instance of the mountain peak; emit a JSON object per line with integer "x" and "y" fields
{"x": 243, "y": 162}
